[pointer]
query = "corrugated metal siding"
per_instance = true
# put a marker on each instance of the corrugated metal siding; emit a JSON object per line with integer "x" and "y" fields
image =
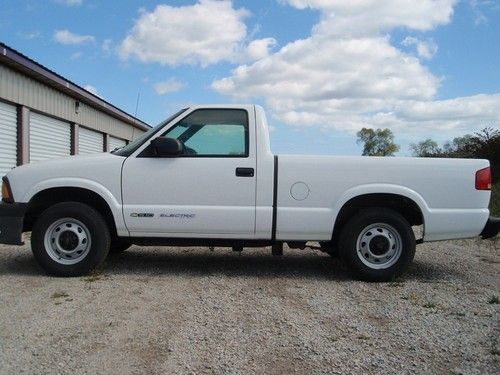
{"x": 89, "y": 141}
{"x": 8, "y": 138}
{"x": 115, "y": 143}
{"x": 24, "y": 90}
{"x": 49, "y": 138}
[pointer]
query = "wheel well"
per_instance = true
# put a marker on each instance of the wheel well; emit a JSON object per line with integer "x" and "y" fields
{"x": 46, "y": 198}
{"x": 403, "y": 205}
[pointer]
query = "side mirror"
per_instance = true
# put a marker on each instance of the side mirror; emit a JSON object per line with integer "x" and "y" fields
{"x": 165, "y": 147}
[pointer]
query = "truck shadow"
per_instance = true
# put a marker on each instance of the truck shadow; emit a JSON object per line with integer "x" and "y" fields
{"x": 228, "y": 264}
{"x": 158, "y": 262}
{"x": 297, "y": 265}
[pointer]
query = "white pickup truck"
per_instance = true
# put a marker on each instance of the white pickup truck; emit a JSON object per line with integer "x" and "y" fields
{"x": 206, "y": 176}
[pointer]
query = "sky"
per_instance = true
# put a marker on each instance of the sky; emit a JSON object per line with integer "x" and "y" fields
{"x": 322, "y": 69}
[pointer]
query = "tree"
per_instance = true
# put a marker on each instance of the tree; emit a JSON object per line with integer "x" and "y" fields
{"x": 460, "y": 147}
{"x": 484, "y": 144}
{"x": 425, "y": 149}
{"x": 378, "y": 142}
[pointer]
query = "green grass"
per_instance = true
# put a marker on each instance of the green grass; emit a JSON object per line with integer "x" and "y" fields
{"x": 495, "y": 200}
{"x": 59, "y": 295}
{"x": 494, "y": 300}
{"x": 429, "y": 305}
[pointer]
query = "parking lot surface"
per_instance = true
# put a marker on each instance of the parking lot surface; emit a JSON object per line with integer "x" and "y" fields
{"x": 192, "y": 310}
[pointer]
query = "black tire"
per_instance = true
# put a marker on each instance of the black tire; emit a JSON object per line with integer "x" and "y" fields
{"x": 80, "y": 229}
{"x": 119, "y": 245}
{"x": 381, "y": 232}
{"x": 331, "y": 248}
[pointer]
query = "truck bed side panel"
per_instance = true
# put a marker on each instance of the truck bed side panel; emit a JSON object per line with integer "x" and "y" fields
{"x": 313, "y": 189}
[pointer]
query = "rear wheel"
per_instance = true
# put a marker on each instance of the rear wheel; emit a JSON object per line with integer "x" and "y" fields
{"x": 70, "y": 239}
{"x": 378, "y": 244}
{"x": 331, "y": 248}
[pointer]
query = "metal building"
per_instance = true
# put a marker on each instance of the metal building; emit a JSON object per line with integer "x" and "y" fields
{"x": 44, "y": 115}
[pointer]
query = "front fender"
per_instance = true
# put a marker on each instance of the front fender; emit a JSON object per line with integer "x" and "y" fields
{"x": 113, "y": 200}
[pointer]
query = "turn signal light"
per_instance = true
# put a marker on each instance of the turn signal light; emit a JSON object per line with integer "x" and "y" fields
{"x": 483, "y": 179}
{"x": 5, "y": 192}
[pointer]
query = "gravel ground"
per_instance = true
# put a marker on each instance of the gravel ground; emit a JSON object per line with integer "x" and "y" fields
{"x": 190, "y": 310}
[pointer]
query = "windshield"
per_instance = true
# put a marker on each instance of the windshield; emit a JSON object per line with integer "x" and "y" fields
{"x": 138, "y": 142}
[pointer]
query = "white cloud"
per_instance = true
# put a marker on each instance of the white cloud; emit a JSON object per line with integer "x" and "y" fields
{"x": 92, "y": 90}
{"x": 479, "y": 8}
{"x": 259, "y": 48}
{"x": 426, "y": 49}
{"x": 107, "y": 45}
{"x": 76, "y": 55}
{"x": 29, "y": 35}
{"x": 67, "y": 37}
{"x": 348, "y": 75}
{"x": 463, "y": 113}
{"x": 364, "y": 17}
{"x": 69, "y": 3}
{"x": 169, "y": 86}
{"x": 205, "y": 33}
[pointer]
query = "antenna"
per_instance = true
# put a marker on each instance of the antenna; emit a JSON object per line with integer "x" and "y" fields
{"x": 137, "y": 102}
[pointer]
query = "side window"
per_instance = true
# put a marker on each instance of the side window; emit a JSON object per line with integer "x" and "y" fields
{"x": 213, "y": 132}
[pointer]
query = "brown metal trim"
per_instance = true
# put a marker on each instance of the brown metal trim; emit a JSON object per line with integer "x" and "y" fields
{"x": 23, "y": 114}
{"x": 75, "y": 136}
{"x": 30, "y": 67}
{"x": 19, "y": 118}
{"x": 106, "y": 143}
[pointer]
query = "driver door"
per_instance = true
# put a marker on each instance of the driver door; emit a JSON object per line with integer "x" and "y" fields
{"x": 208, "y": 191}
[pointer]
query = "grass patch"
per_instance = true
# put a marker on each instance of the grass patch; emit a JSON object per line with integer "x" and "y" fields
{"x": 396, "y": 281}
{"x": 429, "y": 305}
{"x": 59, "y": 295}
{"x": 489, "y": 259}
{"x": 494, "y": 300}
{"x": 363, "y": 337}
{"x": 92, "y": 277}
{"x": 495, "y": 200}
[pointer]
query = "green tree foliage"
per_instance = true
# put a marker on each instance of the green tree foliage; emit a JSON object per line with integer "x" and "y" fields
{"x": 378, "y": 142}
{"x": 425, "y": 148}
{"x": 484, "y": 144}
{"x": 460, "y": 147}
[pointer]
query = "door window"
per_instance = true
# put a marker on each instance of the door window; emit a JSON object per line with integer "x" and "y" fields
{"x": 213, "y": 132}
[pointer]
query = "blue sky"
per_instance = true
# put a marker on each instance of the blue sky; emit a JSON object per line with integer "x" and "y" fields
{"x": 322, "y": 68}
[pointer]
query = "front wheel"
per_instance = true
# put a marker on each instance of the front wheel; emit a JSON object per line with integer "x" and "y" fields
{"x": 70, "y": 239}
{"x": 119, "y": 245}
{"x": 378, "y": 244}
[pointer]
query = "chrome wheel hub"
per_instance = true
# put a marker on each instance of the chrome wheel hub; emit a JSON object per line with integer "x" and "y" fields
{"x": 379, "y": 246}
{"x": 67, "y": 241}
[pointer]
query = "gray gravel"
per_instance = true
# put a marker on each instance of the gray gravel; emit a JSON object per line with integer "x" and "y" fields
{"x": 190, "y": 310}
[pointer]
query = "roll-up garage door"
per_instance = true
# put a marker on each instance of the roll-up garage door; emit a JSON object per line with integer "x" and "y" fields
{"x": 8, "y": 138}
{"x": 49, "y": 138}
{"x": 116, "y": 143}
{"x": 90, "y": 141}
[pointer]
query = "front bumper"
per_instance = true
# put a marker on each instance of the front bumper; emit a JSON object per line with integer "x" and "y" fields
{"x": 11, "y": 222}
{"x": 491, "y": 228}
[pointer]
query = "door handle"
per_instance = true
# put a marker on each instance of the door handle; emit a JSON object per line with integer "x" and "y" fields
{"x": 245, "y": 172}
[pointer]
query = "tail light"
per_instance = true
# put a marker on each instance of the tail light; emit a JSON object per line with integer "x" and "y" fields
{"x": 483, "y": 179}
